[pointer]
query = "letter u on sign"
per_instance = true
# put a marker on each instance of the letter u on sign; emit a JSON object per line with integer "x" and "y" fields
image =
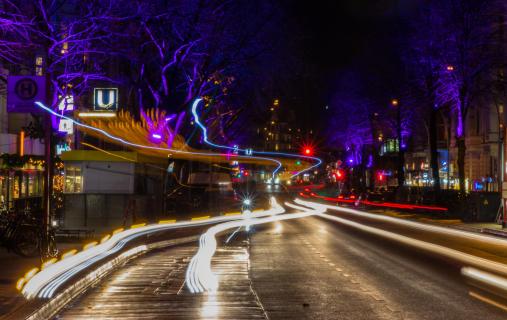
{"x": 105, "y": 99}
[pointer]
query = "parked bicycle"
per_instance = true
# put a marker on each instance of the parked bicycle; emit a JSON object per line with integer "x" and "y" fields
{"x": 23, "y": 234}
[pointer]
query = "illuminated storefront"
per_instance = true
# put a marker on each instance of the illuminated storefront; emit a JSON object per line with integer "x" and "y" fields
{"x": 20, "y": 178}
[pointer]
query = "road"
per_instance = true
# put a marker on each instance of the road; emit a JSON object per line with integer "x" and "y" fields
{"x": 301, "y": 269}
{"x": 153, "y": 287}
{"x": 316, "y": 269}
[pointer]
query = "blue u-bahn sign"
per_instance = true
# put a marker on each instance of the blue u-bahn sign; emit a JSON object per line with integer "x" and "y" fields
{"x": 105, "y": 99}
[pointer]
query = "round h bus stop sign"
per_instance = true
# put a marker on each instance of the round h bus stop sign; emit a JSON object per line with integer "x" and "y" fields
{"x": 23, "y": 92}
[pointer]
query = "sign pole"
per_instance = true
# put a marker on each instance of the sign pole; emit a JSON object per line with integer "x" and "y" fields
{"x": 48, "y": 179}
{"x": 504, "y": 175}
{"x": 22, "y": 93}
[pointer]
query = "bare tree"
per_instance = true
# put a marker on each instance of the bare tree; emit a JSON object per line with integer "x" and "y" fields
{"x": 63, "y": 40}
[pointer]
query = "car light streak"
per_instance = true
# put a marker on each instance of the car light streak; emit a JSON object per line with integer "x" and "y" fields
{"x": 47, "y": 263}
{"x": 90, "y": 245}
{"x": 105, "y": 238}
{"x": 45, "y": 283}
{"x": 118, "y": 231}
{"x": 464, "y": 258}
{"x": 136, "y": 145}
{"x": 232, "y": 214}
{"x": 199, "y": 276}
{"x": 486, "y": 278}
{"x": 381, "y": 204}
{"x": 200, "y": 218}
{"x": 205, "y": 139}
{"x": 232, "y": 235}
{"x": 411, "y": 224}
{"x": 68, "y": 254}
{"x": 20, "y": 283}
{"x": 487, "y": 300}
{"x": 167, "y": 221}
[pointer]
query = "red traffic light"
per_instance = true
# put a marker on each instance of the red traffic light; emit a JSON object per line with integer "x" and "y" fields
{"x": 339, "y": 174}
{"x": 308, "y": 151}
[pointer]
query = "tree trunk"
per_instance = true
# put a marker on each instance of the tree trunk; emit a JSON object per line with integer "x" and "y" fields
{"x": 461, "y": 162}
{"x": 401, "y": 152}
{"x": 434, "y": 152}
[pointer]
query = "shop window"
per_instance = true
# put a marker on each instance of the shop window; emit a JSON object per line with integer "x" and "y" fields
{"x": 16, "y": 187}
{"x": 34, "y": 184}
{"x": 73, "y": 179}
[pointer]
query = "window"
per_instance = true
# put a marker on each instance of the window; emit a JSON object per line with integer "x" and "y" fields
{"x": 478, "y": 123}
{"x": 39, "y": 64}
{"x": 73, "y": 179}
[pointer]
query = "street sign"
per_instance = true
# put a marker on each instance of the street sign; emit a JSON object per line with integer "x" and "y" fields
{"x": 66, "y": 103}
{"x": 23, "y": 92}
{"x": 105, "y": 99}
{"x": 170, "y": 167}
{"x": 66, "y": 126}
{"x": 62, "y": 148}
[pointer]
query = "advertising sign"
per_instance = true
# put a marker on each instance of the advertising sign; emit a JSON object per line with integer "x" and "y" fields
{"x": 105, "y": 99}
{"x": 23, "y": 92}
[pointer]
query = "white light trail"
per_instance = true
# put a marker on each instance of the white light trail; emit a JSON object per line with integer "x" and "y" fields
{"x": 408, "y": 223}
{"x": 45, "y": 283}
{"x": 136, "y": 145}
{"x": 199, "y": 276}
{"x": 462, "y": 257}
{"x": 250, "y": 151}
{"x": 489, "y": 279}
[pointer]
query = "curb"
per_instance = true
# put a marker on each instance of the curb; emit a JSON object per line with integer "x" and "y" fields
{"x": 498, "y": 233}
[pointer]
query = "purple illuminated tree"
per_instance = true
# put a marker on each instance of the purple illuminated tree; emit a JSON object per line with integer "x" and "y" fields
{"x": 166, "y": 53}
{"x": 180, "y": 50}
{"x": 354, "y": 120}
{"x": 424, "y": 60}
{"x": 63, "y": 40}
{"x": 451, "y": 56}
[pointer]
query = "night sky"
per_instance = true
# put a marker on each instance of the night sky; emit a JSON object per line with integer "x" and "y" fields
{"x": 343, "y": 39}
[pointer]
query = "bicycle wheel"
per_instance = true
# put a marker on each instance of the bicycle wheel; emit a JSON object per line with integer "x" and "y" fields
{"x": 26, "y": 242}
{"x": 52, "y": 248}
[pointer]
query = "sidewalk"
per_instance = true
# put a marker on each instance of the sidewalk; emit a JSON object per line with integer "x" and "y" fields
{"x": 14, "y": 267}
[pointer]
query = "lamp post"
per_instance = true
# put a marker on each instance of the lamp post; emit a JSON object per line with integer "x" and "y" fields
{"x": 504, "y": 175}
{"x": 401, "y": 152}
{"x": 48, "y": 178}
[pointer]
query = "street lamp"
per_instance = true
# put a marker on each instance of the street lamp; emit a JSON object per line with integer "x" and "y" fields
{"x": 401, "y": 154}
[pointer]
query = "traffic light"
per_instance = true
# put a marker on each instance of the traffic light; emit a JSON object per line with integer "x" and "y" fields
{"x": 339, "y": 175}
{"x": 308, "y": 151}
